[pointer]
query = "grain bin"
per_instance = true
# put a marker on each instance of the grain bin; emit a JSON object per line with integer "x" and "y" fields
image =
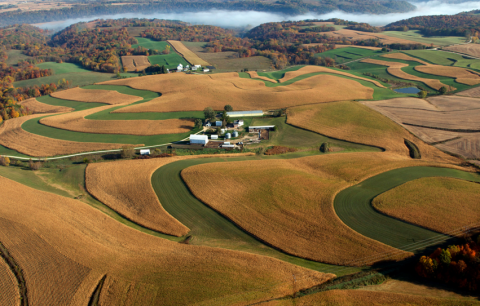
{"x": 228, "y": 136}
{"x": 235, "y": 134}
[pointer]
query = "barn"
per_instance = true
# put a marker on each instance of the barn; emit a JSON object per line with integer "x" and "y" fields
{"x": 255, "y": 113}
{"x": 254, "y": 129}
{"x": 199, "y": 139}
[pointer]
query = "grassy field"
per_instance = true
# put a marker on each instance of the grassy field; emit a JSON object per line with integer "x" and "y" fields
{"x": 445, "y": 58}
{"x": 16, "y": 55}
{"x": 353, "y": 207}
{"x": 209, "y": 227}
{"x": 427, "y": 200}
{"x": 150, "y": 44}
{"x": 413, "y": 35}
{"x": 344, "y": 55}
{"x": 75, "y": 79}
{"x": 290, "y": 136}
{"x": 170, "y": 61}
{"x": 61, "y": 68}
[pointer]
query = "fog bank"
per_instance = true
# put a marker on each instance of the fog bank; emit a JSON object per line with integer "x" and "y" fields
{"x": 254, "y": 18}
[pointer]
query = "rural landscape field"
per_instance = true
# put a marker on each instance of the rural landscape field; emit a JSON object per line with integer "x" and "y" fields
{"x": 309, "y": 162}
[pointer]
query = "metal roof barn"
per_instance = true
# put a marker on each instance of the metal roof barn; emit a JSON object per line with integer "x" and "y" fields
{"x": 199, "y": 139}
{"x": 255, "y": 113}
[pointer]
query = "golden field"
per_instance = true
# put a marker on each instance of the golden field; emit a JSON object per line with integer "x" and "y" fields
{"x": 358, "y": 35}
{"x": 14, "y": 137}
{"x": 243, "y": 94}
{"x": 313, "y": 69}
{"x": 40, "y": 108}
{"x": 95, "y": 95}
{"x": 64, "y": 247}
{"x": 356, "y": 122}
{"x": 289, "y": 203}
{"x": 344, "y": 46}
{"x": 461, "y": 75}
{"x": 395, "y": 69}
{"x": 472, "y": 92}
{"x": 135, "y": 62}
{"x": 364, "y": 297}
{"x": 76, "y": 121}
{"x": 469, "y": 49}
{"x": 425, "y": 201}
{"x": 9, "y": 295}
{"x": 187, "y": 54}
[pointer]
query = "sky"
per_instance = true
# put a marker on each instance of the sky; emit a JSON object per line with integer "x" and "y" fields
{"x": 253, "y": 18}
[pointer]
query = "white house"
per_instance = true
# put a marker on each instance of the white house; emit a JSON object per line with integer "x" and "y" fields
{"x": 238, "y": 123}
{"x": 194, "y": 68}
{"x": 145, "y": 152}
{"x": 199, "y": 139}
{"x": 168, "y": 71}
{"x": 206, "y": 70}
{"x": 222, "y": 131}
{"x": 179, "y": 68}
{"x": 197, "y": 66}
{"x": 218, "y": 123}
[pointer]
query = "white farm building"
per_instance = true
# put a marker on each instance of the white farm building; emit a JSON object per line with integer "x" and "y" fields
{"x": 256, "y": 113}
{"x": 199, "y": 139}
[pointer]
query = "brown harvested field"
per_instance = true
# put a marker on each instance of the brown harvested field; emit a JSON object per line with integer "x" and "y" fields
{"x": 242, "y": 93}
{"x": 135, "y": 62}
{"x": 472, "y": 92}
{"x": 439, "y": 119}
{"x": 62, "y": 243}
{"x": 289, "y": 203}
{"x": 14, "y": 137}
{"x": 226, "y": 61}
{"x": 358, "y": 35}
{"x": 41, "y": 108}
{"x": 395, "y": 69}
{"x": 353, "y": 121}
{"x": 469, "y": 49}
{"x": 76, "y": 121}
{"x": 187, "y": 54}
{"x": 344, "y": 46}
{"x": 404, "y": 57}
{"x": 312, "y": 69}
{"x": 126, "y": 187}
{"x": 461, "y": 75}
{"x": 426, "y": 200}
{"x": 96, "y": 95}
{"x": 9, "y": 295}
{"x": 254, "y": 75}
{"x": 364, "y": 296}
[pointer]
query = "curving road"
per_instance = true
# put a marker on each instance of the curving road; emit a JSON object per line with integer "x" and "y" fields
{"x": 353, "y": 207}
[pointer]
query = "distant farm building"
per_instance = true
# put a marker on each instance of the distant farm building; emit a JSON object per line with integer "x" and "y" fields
{"x": 208, "y": 124}
{"x": 179, "y": 68}
{"x": 235, "y": 134}
{"x": 238, "y": 123}
{"x": 206, "y": 70}
{"x": 218, "y": 123}
{"x": 256, "y": 113}
{"x": 228, "y": 136}
{"x": 214, "y": 137}
{"x": 259, "y": 128}
{"x": 199, "y": 139}
{"x": 145, "y": 152}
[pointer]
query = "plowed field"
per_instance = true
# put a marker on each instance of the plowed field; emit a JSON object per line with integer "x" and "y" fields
{"x": 58, "y": 240}
{"x": 425, "y": 201}
{"x": 95, "y": 95}
{"x": 243, "y": 94}
{"x": 461, "y": 75}
{"x": 14, "y": 137}
{"x": 473, "y": 92}
{"x": 358, "y": 35}
{"x": 470, "y": 49}
{"x": 187, "y": 54}
{"x": 38, "y": 107}
{"x": 135, "y": 62}
{"x": 395, "y": 69}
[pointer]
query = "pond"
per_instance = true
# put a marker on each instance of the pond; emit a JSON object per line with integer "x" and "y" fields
{"x": 407, "y": 90}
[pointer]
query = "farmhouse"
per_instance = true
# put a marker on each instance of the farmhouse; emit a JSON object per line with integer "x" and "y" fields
{"x": 179, "y": 68}
{"x": 259, "y": 128}
{"x": 256, "y": 113}
{"x": 238, "y": 123}
{"x": 199, "y": 139}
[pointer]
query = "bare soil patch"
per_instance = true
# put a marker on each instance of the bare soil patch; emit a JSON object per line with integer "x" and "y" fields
{"x": 344, "y": 46}
{"x": 187, "y": 54}
{"x": 8, "y": 286}
{"x": 467, "y": 146}
{"x": 243, "y": 94}
{"x": 472, "y": 92}
{"x": 58, "y": 240}
{"x": 358, "y": 35}
{"x": 469, "y": 49}
{"x": 135, "y": 62}
{"x": 14, "y": 137}
{"x": 40, "y": 108}
{"x": 279, "y": 150}
{"x": 95, "y": 95}
{"x": 76, "y": 122}
{"x": 229, "y": 61}
{"x": 395, "y": 69}
{"x": 425, "y": 201}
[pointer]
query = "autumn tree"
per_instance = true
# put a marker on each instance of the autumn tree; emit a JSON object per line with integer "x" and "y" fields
{"x": 209, "y": 113}
{"x": 4, "y": 161}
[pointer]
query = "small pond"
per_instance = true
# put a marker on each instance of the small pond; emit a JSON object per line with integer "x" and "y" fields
{"x": 407, "y": 90}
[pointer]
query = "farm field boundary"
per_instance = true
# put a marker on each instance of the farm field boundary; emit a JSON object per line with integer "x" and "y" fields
{"x": 187, "y": 54}
{"x": 353, "y": 207}
{"x": 17, "y": 272}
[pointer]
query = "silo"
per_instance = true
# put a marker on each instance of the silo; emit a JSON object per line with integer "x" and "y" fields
{"x": 228, "y": 136}
{"x": 235, "y": 134}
